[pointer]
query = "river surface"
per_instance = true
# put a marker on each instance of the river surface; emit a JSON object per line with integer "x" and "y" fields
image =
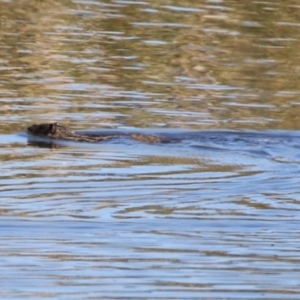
{"x": 214, "y": 214}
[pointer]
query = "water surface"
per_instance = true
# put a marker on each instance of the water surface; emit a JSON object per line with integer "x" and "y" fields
{"x": 214, "y": 215}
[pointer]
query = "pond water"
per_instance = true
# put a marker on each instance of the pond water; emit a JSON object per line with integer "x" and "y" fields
{"x": 214, "y": 215}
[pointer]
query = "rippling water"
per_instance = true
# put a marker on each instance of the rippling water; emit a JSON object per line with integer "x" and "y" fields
{"x": 212, "y": 215}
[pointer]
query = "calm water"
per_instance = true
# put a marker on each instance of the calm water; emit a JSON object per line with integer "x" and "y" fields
{"x": 214, "y": 215}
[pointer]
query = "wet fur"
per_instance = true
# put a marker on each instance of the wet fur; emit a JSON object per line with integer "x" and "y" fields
{"x": 57, "y": 131}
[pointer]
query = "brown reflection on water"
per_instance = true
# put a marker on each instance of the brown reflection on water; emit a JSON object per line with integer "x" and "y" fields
{"x": 250, "y": 47}
{"x": 194, "y": 65}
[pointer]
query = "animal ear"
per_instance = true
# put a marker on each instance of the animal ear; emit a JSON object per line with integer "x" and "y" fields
{"x": 53, "y": 127}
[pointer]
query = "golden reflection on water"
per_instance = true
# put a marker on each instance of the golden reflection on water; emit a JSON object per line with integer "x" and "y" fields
{"x": 228, "y": 65}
